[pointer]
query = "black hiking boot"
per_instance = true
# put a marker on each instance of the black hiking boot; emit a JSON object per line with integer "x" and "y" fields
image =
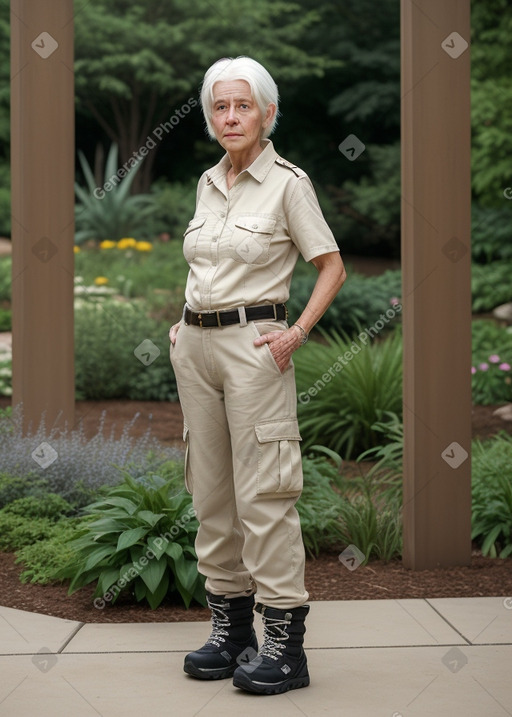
{"x": 232, "y": 638}
{"x": 281, "y": 664}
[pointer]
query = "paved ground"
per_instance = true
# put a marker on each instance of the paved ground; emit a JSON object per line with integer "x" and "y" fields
{"x": 383, "y": 658}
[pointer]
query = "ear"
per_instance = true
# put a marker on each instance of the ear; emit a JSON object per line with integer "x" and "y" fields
{"x": 269, "y": 115}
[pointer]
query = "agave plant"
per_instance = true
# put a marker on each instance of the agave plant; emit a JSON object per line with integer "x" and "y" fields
{"x": 109, "y": 211}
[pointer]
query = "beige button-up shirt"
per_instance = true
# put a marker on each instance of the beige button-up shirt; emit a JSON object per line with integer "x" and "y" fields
{"x": 243, "y": 242}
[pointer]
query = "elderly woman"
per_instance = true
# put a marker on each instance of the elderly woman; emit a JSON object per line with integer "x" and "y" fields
{"x": 231, "y": 353}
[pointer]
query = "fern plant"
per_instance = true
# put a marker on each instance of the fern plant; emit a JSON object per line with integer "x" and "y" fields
{"x": 110, "y": 212}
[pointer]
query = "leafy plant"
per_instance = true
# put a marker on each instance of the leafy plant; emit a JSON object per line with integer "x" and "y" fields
{"x": 110, "y": 212}
{"x": 345, "y": 387}
{"x": 490, "y": 285}
{"x": 140, "y": 537}
{"x": 491, "y": 521}
{"x": 491, "y": 234}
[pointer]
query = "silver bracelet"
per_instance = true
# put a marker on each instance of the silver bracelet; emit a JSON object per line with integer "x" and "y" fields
{"x": 304, "y": 334}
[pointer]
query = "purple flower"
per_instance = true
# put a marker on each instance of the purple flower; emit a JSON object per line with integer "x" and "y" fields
{"x": 484, "y": 367}
{"x": 394, "y": 300}
{"x": 494, "y": 358}
{"x": 504, "y": 367}
{"x": 473, "y": 369}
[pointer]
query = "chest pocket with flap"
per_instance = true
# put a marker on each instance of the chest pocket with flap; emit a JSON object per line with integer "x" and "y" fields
{"x": 250, "y": 241}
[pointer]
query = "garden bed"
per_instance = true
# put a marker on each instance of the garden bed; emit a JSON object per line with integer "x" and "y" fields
{"x": 326, "y": 577}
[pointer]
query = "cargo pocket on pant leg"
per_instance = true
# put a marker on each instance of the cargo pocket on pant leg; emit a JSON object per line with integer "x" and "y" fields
{"x": 186, "y": 461}
{"x": 279, "y": 458}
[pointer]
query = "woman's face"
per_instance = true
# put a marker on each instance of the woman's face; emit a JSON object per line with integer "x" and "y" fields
{"x": 236, "y": 118}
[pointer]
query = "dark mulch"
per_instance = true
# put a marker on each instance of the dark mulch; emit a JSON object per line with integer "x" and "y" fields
{"x": 326, "y": 579}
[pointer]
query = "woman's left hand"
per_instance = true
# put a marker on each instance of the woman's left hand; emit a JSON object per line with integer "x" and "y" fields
{"x": 281, "y": 344}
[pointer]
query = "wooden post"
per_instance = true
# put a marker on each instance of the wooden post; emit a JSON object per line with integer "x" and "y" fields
{"x": 436, "y": 261}
{"x": 42, "y": 154}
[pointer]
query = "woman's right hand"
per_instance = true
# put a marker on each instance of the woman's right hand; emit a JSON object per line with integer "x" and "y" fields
{"x": 173, "y": 332}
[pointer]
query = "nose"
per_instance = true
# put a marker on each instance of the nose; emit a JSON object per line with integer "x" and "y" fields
{"x": 231, "y": 116}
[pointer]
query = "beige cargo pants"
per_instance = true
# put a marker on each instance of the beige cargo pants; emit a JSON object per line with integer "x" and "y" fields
{"x": 243, "y": 462}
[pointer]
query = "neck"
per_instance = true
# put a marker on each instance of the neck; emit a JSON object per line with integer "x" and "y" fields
{"x": 242, "y": 160}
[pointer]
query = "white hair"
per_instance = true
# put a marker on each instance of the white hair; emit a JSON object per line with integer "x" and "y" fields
{"x": 263, "y": 88}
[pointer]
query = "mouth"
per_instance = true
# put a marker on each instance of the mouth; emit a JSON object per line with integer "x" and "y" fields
{"x": 232, "y": 134}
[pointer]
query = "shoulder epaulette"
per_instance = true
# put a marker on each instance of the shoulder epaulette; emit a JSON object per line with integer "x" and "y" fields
{"x": 284, "y": 163}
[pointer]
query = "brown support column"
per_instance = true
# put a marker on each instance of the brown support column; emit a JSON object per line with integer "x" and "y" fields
{"x": 42, "y": 157}
{"x": 436, "y": 261}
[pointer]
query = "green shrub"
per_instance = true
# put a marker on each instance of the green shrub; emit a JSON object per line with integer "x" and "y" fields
{"x": 491, "y": 233}
{"x": 174, "y": 206}
{"x": 106, "y": 367}
{"x": 345, "y": 387}
{"x": 490, "y": 285}
{"x": 26, "y": 520}
{"x": 13, "y": 488}
{"x": 49, "y": 505}
{"x": 360, "y": 302}
{"x": 491, "y": 521}
{"x": 17, "y": 531}
{"x": 140, "y": 537}
{"x": 5, "y": 319}
{"x": 43, "y": 559}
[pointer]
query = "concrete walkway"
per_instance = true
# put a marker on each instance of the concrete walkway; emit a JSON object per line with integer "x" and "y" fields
{"x": 380, "y": 658}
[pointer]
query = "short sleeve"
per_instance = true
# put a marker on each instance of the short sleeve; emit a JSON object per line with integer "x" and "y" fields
{"x": 306, "y": 224}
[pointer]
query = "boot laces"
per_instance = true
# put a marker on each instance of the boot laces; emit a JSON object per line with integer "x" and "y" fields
{"x": 275, "y": 637}
{"x": 220, "y": 621}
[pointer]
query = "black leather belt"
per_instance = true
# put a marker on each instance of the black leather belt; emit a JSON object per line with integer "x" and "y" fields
{"x": 209, "y": 319}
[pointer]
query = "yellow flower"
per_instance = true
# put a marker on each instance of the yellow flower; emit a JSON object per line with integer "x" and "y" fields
{"x": 101, "y": 280}
{"x": 126, "y": 243}
{"x": 144, "y": 246}
{"x": 107, "y": 244}
{"x": 76, "y": 249}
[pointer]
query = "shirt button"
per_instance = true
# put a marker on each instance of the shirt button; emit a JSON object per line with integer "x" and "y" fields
{"x": 214, "y": 238}
{"x": 223, "y": 214}
{"x": 254, "y": 226}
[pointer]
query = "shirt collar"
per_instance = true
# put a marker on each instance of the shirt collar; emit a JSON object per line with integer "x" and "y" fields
{"x": 258, "y": 169}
